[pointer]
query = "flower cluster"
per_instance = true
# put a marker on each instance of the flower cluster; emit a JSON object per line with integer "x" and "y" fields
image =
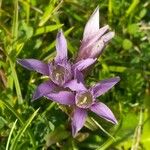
{"x": 66, "y": 80}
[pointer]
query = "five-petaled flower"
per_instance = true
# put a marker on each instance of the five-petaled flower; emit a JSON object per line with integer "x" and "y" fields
{"x": 60, "y": 71}
{"x": 94, "y": 38}
{"x": 86, "y": 99}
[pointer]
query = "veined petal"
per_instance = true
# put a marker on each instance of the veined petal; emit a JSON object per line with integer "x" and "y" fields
{"x": 103, "y": 111}
{"x": 97, "y": 49}
{"x": 94, "y": 47}
{"x": 83, "y": 64}
{"x": 103, "y": 86}
{"x": 108, "y": 36}
{"x": 74, "y": 85}
{"x": 78, "y": 120}
{"x": 94, "y": 38}
{"x": 62, "y": 97}
{"x": 79, "y": 76}
{"x": 34, "y": 64}
{"x": 92, "y": 25}
{"x": 99, "y": 46}
{"x": 61, "y": 47}
{"x": 43, "y": 89}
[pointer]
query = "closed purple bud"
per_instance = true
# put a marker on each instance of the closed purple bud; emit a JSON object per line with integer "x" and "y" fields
{"x": 94, "y": 38}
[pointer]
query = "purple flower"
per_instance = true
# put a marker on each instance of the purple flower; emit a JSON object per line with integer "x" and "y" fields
{"x": 94, "y": 38}
{"x": 84, "y": 99}
{"x": 60, "y": 71}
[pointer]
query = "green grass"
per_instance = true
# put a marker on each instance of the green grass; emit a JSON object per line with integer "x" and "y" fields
{"x": 28, "y": 29}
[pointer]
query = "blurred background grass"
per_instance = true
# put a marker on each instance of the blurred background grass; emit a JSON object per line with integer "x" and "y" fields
{"x": 28, "y": 29}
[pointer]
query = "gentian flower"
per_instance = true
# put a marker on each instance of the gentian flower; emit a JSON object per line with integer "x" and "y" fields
{"x": 85, "y": 99}
{"x": 94, "y": 38}
{"x": 60, "y": 71}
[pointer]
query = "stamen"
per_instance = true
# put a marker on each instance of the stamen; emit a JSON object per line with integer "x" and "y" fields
{"x": 84, "y": 99}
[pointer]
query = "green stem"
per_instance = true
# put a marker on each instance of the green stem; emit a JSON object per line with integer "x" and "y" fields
{"x": 15, "y": 78}
{"x": 110, "y": 5}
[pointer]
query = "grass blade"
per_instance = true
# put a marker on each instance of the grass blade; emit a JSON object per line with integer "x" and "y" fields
{"x": 110, "y": 7}
{"x": 15, "y": 20}
{"x": 132, "y": 7}
{"x": 10, "y": 134}
{"x": 103, "y": 129}
{"x": 47, "y": 29}
{"x": 6, "y": 104}
{"x": 22, "y": 130}
{"x": 49, "y": 11}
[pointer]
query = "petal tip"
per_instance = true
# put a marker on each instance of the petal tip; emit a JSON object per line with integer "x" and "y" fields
{"x": 74, "y": 132}
{"x": 34, "y": 97}
{"x": 60, "y": 32}
{"x": 92, "y": 26}
{"x": 97, "y": 9}
{"x": 19, "y": 61}
{"x": 118, "y": 78}
{"x": 114, "y": 121}
{"x": 108, "y": 36}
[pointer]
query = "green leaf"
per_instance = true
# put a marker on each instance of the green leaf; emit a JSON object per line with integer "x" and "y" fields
{"x": 47, "y": 29}
{"x": 122, "y": 133}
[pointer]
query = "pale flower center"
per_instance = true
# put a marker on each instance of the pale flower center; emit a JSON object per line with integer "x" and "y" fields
{"x": 58, "y": 74}
{"x": 84, "y": 100}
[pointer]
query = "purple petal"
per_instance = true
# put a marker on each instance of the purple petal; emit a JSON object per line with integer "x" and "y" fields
{"x": 79, "y": 76}
{"x": 98, "y": 35}
{"x": 107, "y": 37}
{"x": 92, "y": 39}
{"x": 103, "y": 86}
{"x": 78, "y": 120}
{"x": 43, "y": 89}
{"x": 34, "y": 64}
{"x": 62, "y": 97}
{"x": 93, "y": 48}
{"x": 103, "y": 111}
{"x": 61, "y": 47}
{"x": 83, "y": 64}
{"x": 74, "y": 85}
{"x": 99, "y": 46}
{"x": 97, "y": 49}
{"x": 92, "y": 25}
